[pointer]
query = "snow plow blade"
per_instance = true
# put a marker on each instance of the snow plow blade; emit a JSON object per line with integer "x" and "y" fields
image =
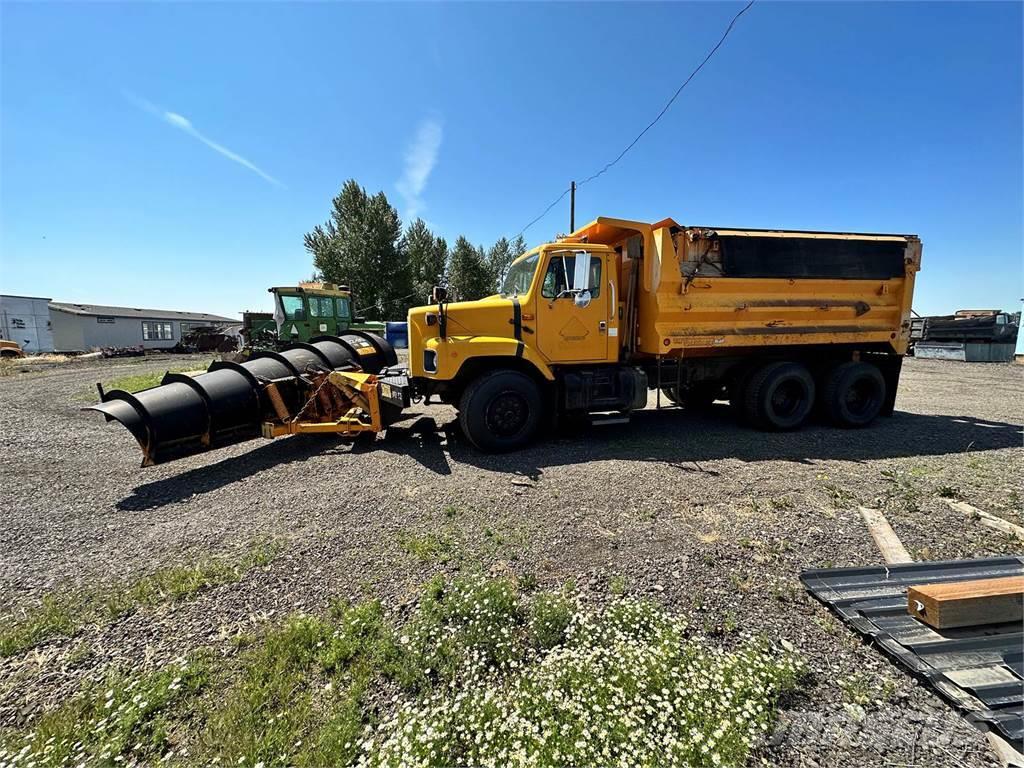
{"x": 332, "y": 379}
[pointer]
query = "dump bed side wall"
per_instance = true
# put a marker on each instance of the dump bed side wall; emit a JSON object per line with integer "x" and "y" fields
{"x": 794, "y": 289}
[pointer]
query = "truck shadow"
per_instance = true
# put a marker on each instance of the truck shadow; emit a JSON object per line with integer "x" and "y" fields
{"x": 681, "y": 440}
{"x": 210, "y": 477}
{"x": 687, "y": 440}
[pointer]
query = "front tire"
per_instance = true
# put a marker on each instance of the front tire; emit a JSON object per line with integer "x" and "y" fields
{"x": 779, "y": 396}
{"x": 854, "y": 394}
{"x": 500, "y": 411}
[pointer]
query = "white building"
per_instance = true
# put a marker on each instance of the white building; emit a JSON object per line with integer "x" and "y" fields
{"x": 81, "y": 327}
{"x": 26, "y": 320}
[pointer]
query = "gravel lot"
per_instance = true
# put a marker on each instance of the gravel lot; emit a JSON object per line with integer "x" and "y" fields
{"x": 710, "y": 518}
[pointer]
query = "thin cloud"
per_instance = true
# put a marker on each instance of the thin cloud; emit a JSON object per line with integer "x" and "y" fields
{"x": 420, "y": 159}
{"x": 182, "y": 123}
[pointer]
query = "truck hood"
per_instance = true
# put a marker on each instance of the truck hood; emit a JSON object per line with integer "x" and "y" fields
{"x": 490, "y": 316}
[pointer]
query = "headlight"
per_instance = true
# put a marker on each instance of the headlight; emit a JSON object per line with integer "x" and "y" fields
{"x": 430, "y": 360}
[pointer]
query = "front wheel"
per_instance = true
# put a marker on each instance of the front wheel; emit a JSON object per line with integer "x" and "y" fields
{"x": 500, "y": 411}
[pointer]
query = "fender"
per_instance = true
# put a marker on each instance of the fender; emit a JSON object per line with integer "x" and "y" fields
{"x": 454, "y": 351}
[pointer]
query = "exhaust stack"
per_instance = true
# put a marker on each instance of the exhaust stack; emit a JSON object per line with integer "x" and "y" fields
{"x": 228, "y": 404}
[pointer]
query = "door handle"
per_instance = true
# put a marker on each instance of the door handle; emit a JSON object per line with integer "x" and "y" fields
{"x": 602, "y": 326}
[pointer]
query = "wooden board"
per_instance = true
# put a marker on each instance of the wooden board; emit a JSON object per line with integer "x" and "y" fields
{"x": 968, "y": 603}
{"x": 893, "y": 551}
{"x": 987, "y": 518}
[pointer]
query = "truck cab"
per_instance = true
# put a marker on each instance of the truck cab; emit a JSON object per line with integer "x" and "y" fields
{"x": 547, "y": 343}
{"x": 309, "y": 310}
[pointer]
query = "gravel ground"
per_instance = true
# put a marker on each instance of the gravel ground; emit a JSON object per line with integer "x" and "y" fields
{"x": 710, "y": 518}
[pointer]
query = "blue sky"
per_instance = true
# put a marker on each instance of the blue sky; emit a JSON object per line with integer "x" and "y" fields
{"x": 173, "y": 155}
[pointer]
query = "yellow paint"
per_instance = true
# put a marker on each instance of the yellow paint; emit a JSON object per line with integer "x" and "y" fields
{"x": 675, "y": 315}
{"x": 357, "y": 386}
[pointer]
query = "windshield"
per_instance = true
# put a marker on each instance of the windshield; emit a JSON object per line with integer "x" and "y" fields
{"x": 520, "y": 275}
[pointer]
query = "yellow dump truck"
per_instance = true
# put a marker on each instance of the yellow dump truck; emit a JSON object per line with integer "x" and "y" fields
{"x": 779, "y": 323}
{"x": 776, "y": 322}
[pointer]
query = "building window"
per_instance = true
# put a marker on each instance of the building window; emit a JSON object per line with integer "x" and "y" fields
{"x": 187, "y": 328}
{"x": 153, "y": 331}
{"x": 104, "y": 319}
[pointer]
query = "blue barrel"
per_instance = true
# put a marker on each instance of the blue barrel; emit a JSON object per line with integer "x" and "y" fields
{"x": 397, "y": 334}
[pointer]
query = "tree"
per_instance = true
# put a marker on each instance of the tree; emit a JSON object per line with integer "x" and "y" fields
{"x": 501, "y": 256}
{"x": 428, "y": 256}
{"x": 469, "y": 276}
{"x": 390, "y": 260}
{"x": 498, "y": 260}
{"x": 361, "y": 245}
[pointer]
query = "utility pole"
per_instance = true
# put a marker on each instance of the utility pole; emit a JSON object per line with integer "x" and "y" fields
{"x": 572, "y": 207}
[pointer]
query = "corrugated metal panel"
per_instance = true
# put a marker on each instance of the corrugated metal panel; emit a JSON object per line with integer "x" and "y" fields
{"x": 26, "y": 320}
{"x": 970, "y": 352}
{"x": 980, "y": 670}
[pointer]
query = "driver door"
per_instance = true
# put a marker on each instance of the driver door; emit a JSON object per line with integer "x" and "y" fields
{"x": 571, "y": 331}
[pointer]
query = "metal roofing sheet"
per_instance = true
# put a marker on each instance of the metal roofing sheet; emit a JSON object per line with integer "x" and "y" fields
{"x": 145, "y": 314}
{"x": 980, "y": 670}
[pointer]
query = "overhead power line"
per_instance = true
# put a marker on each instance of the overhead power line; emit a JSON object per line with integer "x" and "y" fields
{"x": 651, "y": 124}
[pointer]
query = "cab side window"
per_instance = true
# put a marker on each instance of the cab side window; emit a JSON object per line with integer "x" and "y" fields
{"x": 321, "y": 307}
{"x": 559, "y": 275}
{"x": 293, "y": 309}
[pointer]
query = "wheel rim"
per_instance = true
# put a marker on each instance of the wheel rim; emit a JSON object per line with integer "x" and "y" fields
{"x": 861, "y": 397}
{"x": 787, "y": 399}
{"x": 507, "y": 414}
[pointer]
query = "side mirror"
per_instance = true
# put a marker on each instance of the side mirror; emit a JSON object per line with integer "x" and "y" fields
{"x": 439, "y": 295}
{"x": 581, "y": 273}
{"x": 582, "y": 298}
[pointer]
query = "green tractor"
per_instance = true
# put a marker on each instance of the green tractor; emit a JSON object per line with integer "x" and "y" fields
{"x": 303, "y": 312}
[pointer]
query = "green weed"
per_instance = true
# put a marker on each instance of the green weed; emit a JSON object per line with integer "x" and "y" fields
{"x": 65, "y": 613}
{"x": 126, "y": 719}
{"x": 429, "y": 547}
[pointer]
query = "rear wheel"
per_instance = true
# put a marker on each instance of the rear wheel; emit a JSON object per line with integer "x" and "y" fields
{"x": 854, "y": 394}
{"x": 779, "y": 396}
{"x": 696, "y": 397}
{"x": 671, "y": 394}
{"x": 500, "y": 411}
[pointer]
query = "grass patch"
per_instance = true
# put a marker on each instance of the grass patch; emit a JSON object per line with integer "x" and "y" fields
{"x": 124, "y": 720}
{"x": 135, "y": 382}
{"x": 481, "y": 674}
{"x": 478, "y": 673}
{"x": 430, "y": 547}
{"x": 900, "y": 490}
{"x": 140, "y": 381}
{"x": 66, "y": 613}
{"x": 839, "y": 495}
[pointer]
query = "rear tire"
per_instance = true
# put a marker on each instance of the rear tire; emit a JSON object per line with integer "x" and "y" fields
{"x": 779, "y": 396}
{"x": 500, "y": 411}
{"x": 854, "y": 394}
{"x": 697, "y": 397}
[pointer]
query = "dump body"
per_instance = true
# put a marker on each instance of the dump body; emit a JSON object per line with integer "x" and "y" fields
{"x": 701, "y": 290}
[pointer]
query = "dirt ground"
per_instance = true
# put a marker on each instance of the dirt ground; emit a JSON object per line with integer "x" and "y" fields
{"x": 705, "y": 516}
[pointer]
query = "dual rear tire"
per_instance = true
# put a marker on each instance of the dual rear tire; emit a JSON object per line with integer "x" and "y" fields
{"x": 780, "y": 396}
